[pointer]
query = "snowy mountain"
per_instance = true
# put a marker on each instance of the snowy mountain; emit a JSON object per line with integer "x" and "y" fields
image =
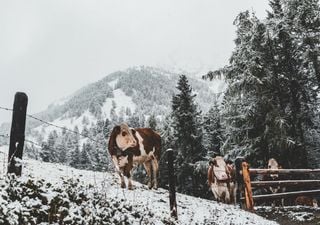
{"x": 53, "y": 193}
{"x": 138, "y": 91}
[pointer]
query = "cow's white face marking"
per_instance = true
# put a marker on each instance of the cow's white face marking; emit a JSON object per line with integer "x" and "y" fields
{"x": 125, "y": 138}
{"x": 315, "y": 203}
{"x": 220, "y": 168}
{"x": 273, "y": 164}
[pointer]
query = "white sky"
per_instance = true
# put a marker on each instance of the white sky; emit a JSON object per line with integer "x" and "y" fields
{"x": 49, "y": 49}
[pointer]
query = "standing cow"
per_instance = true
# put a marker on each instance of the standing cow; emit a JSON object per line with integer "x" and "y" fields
{"x": 274, "y": 165}
{"x": 131, "y": 146}
{"x": 219, "y": 180}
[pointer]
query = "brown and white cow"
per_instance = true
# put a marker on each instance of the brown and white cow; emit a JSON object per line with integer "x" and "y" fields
{"x": 132, "y": 146}
{"x": 219, "y": 180}
{"x": 273, "y": 164}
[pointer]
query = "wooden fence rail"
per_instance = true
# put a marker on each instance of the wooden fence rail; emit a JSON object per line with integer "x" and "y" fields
{"x": 245, "y": 185}
{"x": 284, "y": 195}
{"x": 284, "y": 183}
{"x": 283, "y": 171}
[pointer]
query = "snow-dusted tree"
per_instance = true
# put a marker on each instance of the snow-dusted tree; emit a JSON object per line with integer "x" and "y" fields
{"x": 113, "y": 114}
{"x": 134, "y": 120}
{"x": 45, "y": 153}
{"x": 100, "y": 159}
{"x": 188, "y": 135}
{"x": 75, "y": 157}
{"x": 152, "y": 122}
{"x": 121, "y": 117}
{"x": 304, "y": 21}
{"x": 107, "y": 127}
{"x": 84, "y": 160}
{"x": 85, "y": 131}
{"x": 85, "y": 121}
{"x": 212, "y": 135}
{"x": 51, "y": 142}
{"x": 128, "y": 112}
{"x": 270, "y": 101}
{"x": 167, "y": 141}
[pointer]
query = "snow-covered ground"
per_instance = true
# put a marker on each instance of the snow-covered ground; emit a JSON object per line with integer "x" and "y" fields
{"x": 191, "y": 210}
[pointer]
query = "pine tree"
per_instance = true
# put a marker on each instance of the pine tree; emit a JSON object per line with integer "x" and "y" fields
{"x": 84, "y": 161}
{"x": 107, "y": 128}
{"x": 75, "y": 157}
{"x": 212, "y": 137}
{"x": 152, "y": 122}
{"x": 51, "y": 144}
{"x": 167, "y": 141}
{"x": 45, "y": 153}
{"x": 134, "y": 121}
{"x": 270, "y": 105}
{"x": 188, "y": 135}
{"x": 113, "y": 114}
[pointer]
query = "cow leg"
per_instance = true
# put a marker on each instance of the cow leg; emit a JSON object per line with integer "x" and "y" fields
{"x": 128, "y": 175}
{"x": 123, "y": 184}
{"x": 155, "y": 169}
{"x": 147, "y": 166}
{"x": 116, "y": 163}
{"x": 227, "y": 197}
{"x": 214, "y": 189}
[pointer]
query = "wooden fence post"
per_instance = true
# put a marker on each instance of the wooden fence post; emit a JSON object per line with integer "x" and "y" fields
{"x": 17, "y": 132}
{"x": 239, "y": 180}
{"x": 247, "y": 184}
{"x": 172, "y": 188}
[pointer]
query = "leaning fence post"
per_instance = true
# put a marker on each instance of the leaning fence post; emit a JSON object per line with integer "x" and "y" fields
{"x": 239, "y": 180}
{"x": 247, "y": 184}
{"x": 172, "y": 188}
{"x": 17, "y": 132}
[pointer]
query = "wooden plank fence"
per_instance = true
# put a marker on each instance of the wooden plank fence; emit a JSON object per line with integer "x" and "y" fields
{"x": 245, "y": 185}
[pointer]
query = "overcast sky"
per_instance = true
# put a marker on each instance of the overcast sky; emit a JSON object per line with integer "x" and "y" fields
{"x": 49, "y": 49}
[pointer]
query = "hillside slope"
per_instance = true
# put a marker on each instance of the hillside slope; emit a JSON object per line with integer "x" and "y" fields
{"x": 87, "y": 196}
{"x": 135, "y": 92}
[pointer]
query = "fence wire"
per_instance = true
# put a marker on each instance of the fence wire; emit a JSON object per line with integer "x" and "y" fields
{"x": 56, "y": 126}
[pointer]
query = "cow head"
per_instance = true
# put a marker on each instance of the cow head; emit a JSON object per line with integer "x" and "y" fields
{"x": 125, "y": 138}
{"x": 219, "y": 168}
{"x": 273, "y": 164}
{"x": 314, "y": 203}
{"x": 122, "y": 138}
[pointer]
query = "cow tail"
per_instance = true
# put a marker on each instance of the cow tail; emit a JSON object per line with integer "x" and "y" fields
{"x": 157, "y": 144}
{"x": 210, "y": 175}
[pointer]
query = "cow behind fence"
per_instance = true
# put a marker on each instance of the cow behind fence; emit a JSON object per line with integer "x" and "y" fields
{"x": 245, "y": 184}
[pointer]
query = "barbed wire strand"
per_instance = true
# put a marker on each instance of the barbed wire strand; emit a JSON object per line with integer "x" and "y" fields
{"x": 31, "y": 142}
{"x": 26, "y": 140}
{"x": 53, "y": 125}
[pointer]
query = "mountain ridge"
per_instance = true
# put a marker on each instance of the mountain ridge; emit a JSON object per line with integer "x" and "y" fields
{"x": 140, "y": 91}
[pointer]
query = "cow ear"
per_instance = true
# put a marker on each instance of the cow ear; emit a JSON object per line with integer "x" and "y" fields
{"x": 116, "y": 130}
{"x": 133, "y": 131}
{"x": 213, "y": 162}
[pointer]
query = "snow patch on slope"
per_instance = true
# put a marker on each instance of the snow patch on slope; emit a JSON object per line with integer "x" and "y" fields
{"x": 120, "y": 98}
{"x": 191, "y": 210}
{"x": 122, "y": 102}
{"x": 113, "y": 83}
{"x": 69, "y": 123}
